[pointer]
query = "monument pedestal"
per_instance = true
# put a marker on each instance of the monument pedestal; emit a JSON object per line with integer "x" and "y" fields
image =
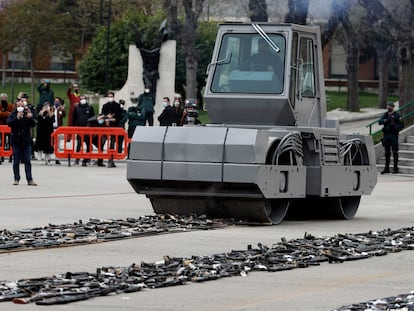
{"x": 134, "y": 84}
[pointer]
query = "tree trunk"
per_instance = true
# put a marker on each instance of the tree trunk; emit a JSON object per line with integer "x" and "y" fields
{"x": 185, "y": 33}
{"x": 3, "y": 72}
{"x": 384, "y": 55}
{"x": 406, "y": 76}
{"x": 191, "y": 77}
{"x": 32, "y": 83}
{"x": 352, "y": 65}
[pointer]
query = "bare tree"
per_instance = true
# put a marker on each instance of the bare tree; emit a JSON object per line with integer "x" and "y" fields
{"x": 398, "y": 18}
{"x": 34, "y": 29}
{"x": 185, "y": 32}
{"x": 329, "y": 29}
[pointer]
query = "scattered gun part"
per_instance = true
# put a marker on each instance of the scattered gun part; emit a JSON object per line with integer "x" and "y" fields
{"x": 100, "y": 230}
{"x": 171, "y": 271}
{"x": 399, "y": 302}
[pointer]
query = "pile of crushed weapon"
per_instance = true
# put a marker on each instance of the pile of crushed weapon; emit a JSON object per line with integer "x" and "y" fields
{"x": 98, "y": 230}
{"x": 287, "y": 254}
{"x": 403, "y": 302}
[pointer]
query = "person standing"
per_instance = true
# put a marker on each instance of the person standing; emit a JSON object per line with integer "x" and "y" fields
{"x": 167, "y": 116}
{"x": 60, "y": 113}
{"x": 21, "y": 123}
{"x": 45, "y": 120}
{"x": 5, "y": 109}
{"x": 392, "y": 124}
{"x": 82, "y": 113}
{"x": 121, "y": 124}
{"x": 24, "y": 97}
{"x": 74, "y": 97}
{"x": 45, "y": 93}
{"x": 179, "y": 110}
{"x": 112, "y": 112}
{"x": 146, "y": 101}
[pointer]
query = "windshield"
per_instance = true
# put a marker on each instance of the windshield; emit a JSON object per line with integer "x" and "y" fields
{"x": 247, "y": 63}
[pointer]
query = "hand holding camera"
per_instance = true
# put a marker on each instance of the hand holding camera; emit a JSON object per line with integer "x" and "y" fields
{"x": 20, "y": 112}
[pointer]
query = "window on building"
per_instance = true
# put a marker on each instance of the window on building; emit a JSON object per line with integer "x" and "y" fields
{"x": 17, "y": 61}
{"x": 338, "y": 59}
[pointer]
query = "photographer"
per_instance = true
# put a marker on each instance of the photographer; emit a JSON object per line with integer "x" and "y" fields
{"x": 113, "y": 115}
{"x": 392, "y": 122}
{"x": 21, "y": 122}
{"x": 45, "y": 120}
{"x": 190, "y": 114}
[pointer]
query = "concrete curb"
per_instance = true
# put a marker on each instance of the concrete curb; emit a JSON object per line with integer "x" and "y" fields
{"x": 347, "y": 116}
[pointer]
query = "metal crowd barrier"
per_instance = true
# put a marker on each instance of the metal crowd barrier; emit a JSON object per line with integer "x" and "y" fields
{"x": 5, "y": 147}
{"x": 94, "y": 142}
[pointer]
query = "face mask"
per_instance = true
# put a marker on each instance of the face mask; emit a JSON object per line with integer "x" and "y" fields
{"x": 20, "y": 109}
{"x": 122, "y": 106}
{"x": 24, "y": 102}
{"x": 83, "y": 101}
{"x": 110, "y": 99}
{"x": 176, "y": 104}
{"x": 57, "y": 104}
{"x": 164, "y": 104}
{"x": 101, "y": 121}
{"x": 146, "y": 90}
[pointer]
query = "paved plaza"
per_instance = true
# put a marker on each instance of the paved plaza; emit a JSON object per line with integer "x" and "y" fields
{"x": 67, "y": 194}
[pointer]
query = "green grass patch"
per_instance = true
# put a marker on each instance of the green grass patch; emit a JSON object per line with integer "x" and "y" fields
{"x": 366, "y": 100}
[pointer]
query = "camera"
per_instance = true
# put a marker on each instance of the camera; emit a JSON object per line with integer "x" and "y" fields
{"x": 191, "y": 116}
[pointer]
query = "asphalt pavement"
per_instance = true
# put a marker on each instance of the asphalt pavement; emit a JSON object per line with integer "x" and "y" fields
{"x": 67, "y": 194}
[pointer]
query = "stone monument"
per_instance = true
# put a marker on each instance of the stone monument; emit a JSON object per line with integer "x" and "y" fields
{"x": 143, "y": 71}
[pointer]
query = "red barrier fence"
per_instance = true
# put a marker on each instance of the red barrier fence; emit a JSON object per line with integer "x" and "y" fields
{"x": 5, "y": 147}
{"x": 90, "y": 142}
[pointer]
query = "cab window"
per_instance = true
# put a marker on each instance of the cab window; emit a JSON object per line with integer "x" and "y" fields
{"x": 247, "y": 63}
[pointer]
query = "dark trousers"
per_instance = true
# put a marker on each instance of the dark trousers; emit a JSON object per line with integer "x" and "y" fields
{"x": 149, "y": 116}
{"x": 87, "y": 141}
{"x": 99, "y": 144}
{"x": 390, "y": 142}
{"x": 22, "y": 154}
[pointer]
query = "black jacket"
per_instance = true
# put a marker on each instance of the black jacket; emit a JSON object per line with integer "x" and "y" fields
{"x": 81, "y": 114}
{"x": 167, "y": 117}
{"x": 392, "y": 122}
{"x": 113, "y": 108}
{"x": 20, "y": 129}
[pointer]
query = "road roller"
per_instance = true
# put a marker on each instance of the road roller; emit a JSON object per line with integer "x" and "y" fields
{"x": 269, "y": 147}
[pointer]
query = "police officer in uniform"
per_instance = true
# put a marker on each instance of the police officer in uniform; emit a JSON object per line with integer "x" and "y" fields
{"x": 393, "y": 123}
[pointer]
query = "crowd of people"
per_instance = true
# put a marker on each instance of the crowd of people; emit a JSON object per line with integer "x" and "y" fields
{"x": 32, "y": 126}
